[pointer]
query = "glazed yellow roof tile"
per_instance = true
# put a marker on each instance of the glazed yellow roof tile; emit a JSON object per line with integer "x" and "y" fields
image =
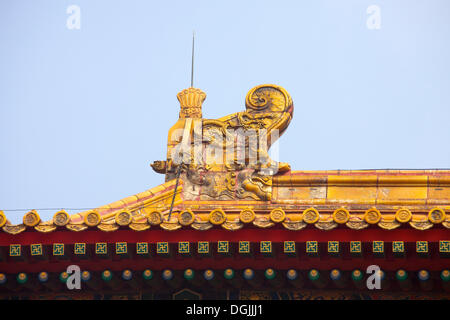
{"x": 407, "y": 198}
{"x": 239, "y": 195}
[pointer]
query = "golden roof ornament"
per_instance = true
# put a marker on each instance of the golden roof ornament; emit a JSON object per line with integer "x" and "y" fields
{"x": 191, "y": 101}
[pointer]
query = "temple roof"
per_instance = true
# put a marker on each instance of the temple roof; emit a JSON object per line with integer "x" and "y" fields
{"x": 224, "y": 211}
{"x": 357, "y": 199}
{"x": 209, "y": 186}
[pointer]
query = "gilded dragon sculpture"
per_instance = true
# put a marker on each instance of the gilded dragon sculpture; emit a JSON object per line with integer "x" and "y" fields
{"x": 227, "y": 158}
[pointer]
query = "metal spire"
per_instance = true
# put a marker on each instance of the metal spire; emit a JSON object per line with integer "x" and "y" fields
{"x": 181, "y": 164}
{"x": 192, "y": 64}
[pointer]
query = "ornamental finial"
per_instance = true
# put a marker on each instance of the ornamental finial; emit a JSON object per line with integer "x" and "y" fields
{"x": 191, "y": 101}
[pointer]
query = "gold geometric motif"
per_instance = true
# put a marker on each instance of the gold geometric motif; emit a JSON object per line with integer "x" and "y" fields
{"x": 155, "y": 218}
{"x": 444, "y": 246}
{"x": 403, "y": 215}
{"x": 123, "y": 218}
{"x": 58, "y": 249}
{"x": 389, "y": 225}
{"x": 341, "y": 215}
{"x": 14, "y": 250}
{"x": 92, "y": 218}
{"x": 247, "y": 215}
{"x": 139, "y": 226}
{"x": 266, "y": 246}
{"x": 76, "y": 227}
{"x": 311, "y": 246}
{"x": 294, "y": 226}
{"x": 183, "y": 247}
{"x": 170, "y": 226}
{"x": 108, "y": 227}
{"x": 310, "y": 215}
{"x": 333, "y": 246}
{"x": 36, "y": 249}
{"x": 14, "y": 229}
{"x": 79, "y": 248}
{"x": 162, "y": 247}
{"x": 121, "y": 248}
{"x": 217, "y": 216}
{"x": 422, "y": 246}
{"x": 101, "y": 248}
{"x": 222, "y": 246}
{"x": 398, "y": 246}
{"x": 31, "y": 218}
{"x": 186, "y": 217}
{"x": 355, "y": 246}
{"x": 263, "y": 222}
{"x": 244, "y": 246}
{"x": 421, "y": 225}
{"x": 356, "y": 224}
{"x": 378, "y": 247}
{"x": 235, "y": 225}
{"x": 142, "y": 248}
{"x": 372, "y": 216}
{"x": 203, "y": 247}
{"x": 326, "y": 225}
{"x": 289, "y": 247}
{"x": 45, "y": 227}
{"x": 436, "y": 215}
{"x": 61, "y": 218}
{"x": 277, "y": 215}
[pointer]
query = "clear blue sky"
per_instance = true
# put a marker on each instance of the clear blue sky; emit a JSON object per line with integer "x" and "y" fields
{"x": 84, "y": 112}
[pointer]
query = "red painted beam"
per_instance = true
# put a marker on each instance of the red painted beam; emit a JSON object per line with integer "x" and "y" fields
{"x": 236, "y": 262}
{"x": 249, "y": 234}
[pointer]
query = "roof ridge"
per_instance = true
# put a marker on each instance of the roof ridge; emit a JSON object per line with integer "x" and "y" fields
{"x": 109, "y": 210}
